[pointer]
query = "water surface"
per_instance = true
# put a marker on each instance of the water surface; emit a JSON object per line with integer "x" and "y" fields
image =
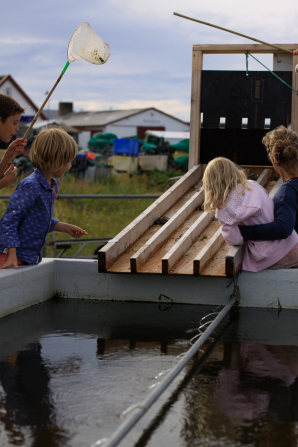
{"x": 70, "y": 368}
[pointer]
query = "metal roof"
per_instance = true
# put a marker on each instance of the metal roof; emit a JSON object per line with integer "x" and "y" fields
{"x": 82, "y": 119}
{"x": 102, "y": 118}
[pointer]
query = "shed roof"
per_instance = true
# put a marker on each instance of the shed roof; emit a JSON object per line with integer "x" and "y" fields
{"x": 102, "y": 118}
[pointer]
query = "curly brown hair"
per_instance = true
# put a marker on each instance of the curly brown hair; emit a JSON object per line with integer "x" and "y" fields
{"x": 282, "y": 148}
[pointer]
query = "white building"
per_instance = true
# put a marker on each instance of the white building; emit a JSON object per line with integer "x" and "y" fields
{"x": 123, "y": 123}
{"x": 9, "y": 86}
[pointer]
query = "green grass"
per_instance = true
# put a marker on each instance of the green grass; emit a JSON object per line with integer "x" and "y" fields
{"x": 102, "y": 218}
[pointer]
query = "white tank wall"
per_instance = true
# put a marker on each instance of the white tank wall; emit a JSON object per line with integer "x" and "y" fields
{"x": 9, "y": 89}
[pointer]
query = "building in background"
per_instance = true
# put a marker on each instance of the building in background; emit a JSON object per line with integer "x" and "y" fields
{"x": 123, "y": 123}
{"x": 10, "y": 87}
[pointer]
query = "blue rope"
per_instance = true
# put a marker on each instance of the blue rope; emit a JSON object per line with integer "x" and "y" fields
{"x": 248, "y": 54}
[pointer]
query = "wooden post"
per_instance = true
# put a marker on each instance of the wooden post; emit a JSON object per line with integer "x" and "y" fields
{"x": 195, "y": 109}
{"x": 294, "y": 114}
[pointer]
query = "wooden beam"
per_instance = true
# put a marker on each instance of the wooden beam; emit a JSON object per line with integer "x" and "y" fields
{"x": 264, "y": 178}
{"x": 243, "y": 48}
{"x": 275, "y": 188}
{"x": 154, "y": 243}
{"x": 186, "y": 241}
{"x": 112, "y": 250}
{"x": 294, "y": 112}
{"x": 195, "y": 109}
{"x": 208, "y": 251}
{"x": 234, "y": 260}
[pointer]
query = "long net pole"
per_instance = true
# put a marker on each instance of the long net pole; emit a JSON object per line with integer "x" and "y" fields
{"x": 233, "y": 32}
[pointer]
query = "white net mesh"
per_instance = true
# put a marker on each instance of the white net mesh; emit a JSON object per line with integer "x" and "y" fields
{"x": 87, "y": 45}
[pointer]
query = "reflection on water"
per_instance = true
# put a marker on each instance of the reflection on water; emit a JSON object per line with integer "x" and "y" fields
{"x": 69, "y": 370}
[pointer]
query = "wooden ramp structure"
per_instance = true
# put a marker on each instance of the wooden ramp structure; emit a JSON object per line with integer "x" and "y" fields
{"x": 175, "y": 236}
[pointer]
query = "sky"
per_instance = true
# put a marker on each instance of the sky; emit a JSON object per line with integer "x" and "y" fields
{"x": 151, "y": 49}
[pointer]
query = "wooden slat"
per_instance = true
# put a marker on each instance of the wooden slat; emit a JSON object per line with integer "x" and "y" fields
{"x": 243, "y": 48}
{"x": 123, "y": 262}
{"x": 234, "y": 260}
{"x": 264, "y": 177}
{"x": 111, "y": 251}
{"x": 208, "y": 251}
{"x": 185, "y": 264}
{"x": 175, "y": 253}
{"x": 275, "y": 188}
{"x": 141, "y": 256}
{"x": 195, "y": 109}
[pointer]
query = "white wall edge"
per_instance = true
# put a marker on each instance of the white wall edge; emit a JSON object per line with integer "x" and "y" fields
{"x": 74, "y": 278}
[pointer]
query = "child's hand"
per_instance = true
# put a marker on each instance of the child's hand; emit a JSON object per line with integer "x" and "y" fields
{"x": 11, "y": 259}
{"x": 75, "y": 231}
{"x": 15, "y": 148}
{"x": 9, "y": 176}
{"x": 72, "y": 230}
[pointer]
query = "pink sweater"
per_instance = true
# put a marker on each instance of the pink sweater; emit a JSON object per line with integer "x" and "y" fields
{"x": 252, "y": 208}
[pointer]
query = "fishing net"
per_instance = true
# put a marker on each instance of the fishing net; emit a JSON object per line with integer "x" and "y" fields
{"x": 85, "y": 44}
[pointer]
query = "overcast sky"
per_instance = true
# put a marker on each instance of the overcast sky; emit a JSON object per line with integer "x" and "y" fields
{"x": 150, "y": 62}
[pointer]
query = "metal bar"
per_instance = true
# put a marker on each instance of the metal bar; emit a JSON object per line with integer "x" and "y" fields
{"x": 55, "y": 244}
{"x": 73, "y": 242}
{"x": 126, "y": 426}
{"x": 233, "y": 32}
{"x": 101, "y": 196}
{"x": 80, "y": 249}
{"x": 61, "y": 253}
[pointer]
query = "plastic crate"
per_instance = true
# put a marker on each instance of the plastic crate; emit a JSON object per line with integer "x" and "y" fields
{"x": 126, "y": 146}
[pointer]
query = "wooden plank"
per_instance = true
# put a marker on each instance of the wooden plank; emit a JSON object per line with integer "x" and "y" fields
{"x": 204, "y": 256}
{"x": 111, "y": 251}
{"x": 216, "y": 265}
{"x": 154, "y": 263}
{"x": 234, "y": 260}
{"x": 185, "y": 264}
{"x": 294, "y": 112}
{"x": 275, "y": 188}
{"x": 243, "y": 48}
{"x": 153, "y": 244}
{"x": 264, "y": 177}
{"x": 123, "y": 262}
{"x": 186, "y": 241}
{"x": 195, "y": 109}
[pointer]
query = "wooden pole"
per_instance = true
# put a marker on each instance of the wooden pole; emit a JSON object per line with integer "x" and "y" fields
{"x": 233, "y": 32}
{"x": 195, "y": 109}
{"x": 40, "y": 110}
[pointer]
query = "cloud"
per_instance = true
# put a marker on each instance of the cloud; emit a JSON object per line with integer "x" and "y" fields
{"x": 151, "y": 49}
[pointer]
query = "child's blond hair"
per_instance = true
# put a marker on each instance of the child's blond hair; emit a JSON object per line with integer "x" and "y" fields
{"x": 220, "y": 176}
{"x": 52, "y": 149}
{"x": 282, "y": 148}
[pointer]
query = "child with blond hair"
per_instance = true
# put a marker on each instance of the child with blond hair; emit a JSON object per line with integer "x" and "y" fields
{"x": 29, "y": 215}
{"x": 282, "y": 149}
{"x": 239, "y": 201}
{"x": 10, "y": 115}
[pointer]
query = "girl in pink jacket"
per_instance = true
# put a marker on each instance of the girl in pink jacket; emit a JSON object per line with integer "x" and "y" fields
{"x": 239, "y": 201}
